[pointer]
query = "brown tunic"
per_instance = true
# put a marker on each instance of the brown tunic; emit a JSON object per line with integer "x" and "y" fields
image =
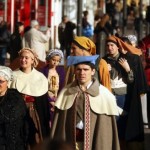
{"x": 103, "y": 130}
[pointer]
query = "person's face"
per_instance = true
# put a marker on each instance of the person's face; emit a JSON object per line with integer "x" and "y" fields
{"x": 112, "y": 49}
{"x": 84, "y": 73}
{"x": 65, "y": 20}
{"x": 37, "y": 27}
{"x": 26, "y": 60}
{"x": 3, "y": 85}
{"x": 75, "y": 50}
{"x": 21, "y": 29}
{"x": 54, "y": 61}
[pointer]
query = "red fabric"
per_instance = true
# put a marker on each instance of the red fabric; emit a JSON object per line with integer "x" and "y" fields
{"x": 79, "y": 135}
{"x": 28, "y": 99}
{"x": 145, "y": 46}
{"x": 145, "y": 43}
{"x": 26, "y": 13}
{"x": 147, "y": 72}
{"x": 87, "y": 123}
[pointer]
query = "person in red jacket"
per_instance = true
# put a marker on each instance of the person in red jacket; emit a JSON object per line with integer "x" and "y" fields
{"x": 144, "y": 44}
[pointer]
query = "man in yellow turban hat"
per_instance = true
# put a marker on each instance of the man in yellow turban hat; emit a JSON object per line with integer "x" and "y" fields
{"x": 83, "y": 46}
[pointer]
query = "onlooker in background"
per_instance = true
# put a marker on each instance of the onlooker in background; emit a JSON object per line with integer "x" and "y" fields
{"x": 104, "y": 25}
{"x": 117, "y": 31}
{"x": 130, "y": 20}
{"x": 110, "y": 10}
{"x": 36, "y": 40}
{"x": 16, "y": 41}
{"x": 102, "y": 30}
{"x": 13, "y": 134}
{"x": 4, "y": 41}
{"x": 61, "y": 34}
{"x": 137, "y": 25}
{"x": 87, "y": 29}
{"x": 97, "y": 19}
{"x": 118, "y": 12}
{"x": 33, "y": 86}
{"x": 55, "y": 75}
{"x": 26, "y": 29}
{"x": 69, "y": 36}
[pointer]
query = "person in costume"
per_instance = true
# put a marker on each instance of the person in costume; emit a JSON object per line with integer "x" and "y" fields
{"x": 133, "y": 39}
{"x": 13, "y": 112}
{"x": 55, "y": 75}
{"x": 124, "y": 65}
{"x": 145, "y": 46}
{"x": 85, "y": 110}
{"x": 137, "y": 63}
{"x": 83, "y": 46}
{"x": 33, "y": 86}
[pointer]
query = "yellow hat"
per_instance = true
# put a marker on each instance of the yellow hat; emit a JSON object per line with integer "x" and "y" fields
{"x": 85, "y": 43}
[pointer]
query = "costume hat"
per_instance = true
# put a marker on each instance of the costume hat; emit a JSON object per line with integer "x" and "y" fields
{"x": 85, "y": 43}
{"x": 74, "y": 60}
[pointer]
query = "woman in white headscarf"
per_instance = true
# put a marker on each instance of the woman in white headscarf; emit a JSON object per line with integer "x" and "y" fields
{"x": 33, "y": 86}
{"x": 12, "y": 114}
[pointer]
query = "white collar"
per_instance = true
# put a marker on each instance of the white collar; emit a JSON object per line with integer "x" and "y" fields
{"x": 33, "y": 84}
{"x": 88, "y": 86}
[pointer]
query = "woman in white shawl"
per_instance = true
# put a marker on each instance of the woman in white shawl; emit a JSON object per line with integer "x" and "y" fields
{"x": 33, "y": 86}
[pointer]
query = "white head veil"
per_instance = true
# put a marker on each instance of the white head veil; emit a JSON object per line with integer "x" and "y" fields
{"x": 6, "y": 72}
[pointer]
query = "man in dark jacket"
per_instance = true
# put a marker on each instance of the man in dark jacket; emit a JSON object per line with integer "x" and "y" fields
{"x": 66, "y": 34}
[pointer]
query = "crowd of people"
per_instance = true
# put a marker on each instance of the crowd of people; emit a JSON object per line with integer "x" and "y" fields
{"x": 92, "y": 102}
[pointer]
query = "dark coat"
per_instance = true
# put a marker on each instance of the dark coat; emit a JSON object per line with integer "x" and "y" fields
{"x": 15, "y": 45}
{"x": 13, "y": 112}
{"x": 68, "y": 32}
{"x": 42, "y": 108}
{"x": 134, "y": 128}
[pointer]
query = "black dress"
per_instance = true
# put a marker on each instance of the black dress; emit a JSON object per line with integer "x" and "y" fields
{"x": 13, "y": 131}
{"x": 134, "y": 129}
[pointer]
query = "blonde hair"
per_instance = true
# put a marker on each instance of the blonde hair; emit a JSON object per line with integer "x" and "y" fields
{"x": 34, "y": 56}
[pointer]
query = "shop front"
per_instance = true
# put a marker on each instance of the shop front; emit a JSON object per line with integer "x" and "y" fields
{"x": 25, "y": 11}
